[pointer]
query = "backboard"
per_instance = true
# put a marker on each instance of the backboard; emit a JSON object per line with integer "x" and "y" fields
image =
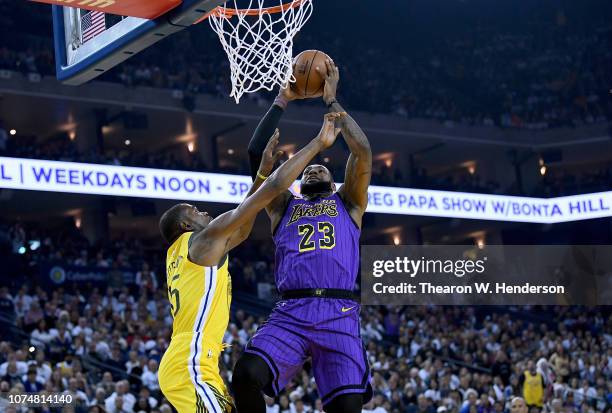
{"x": 89, "y": 42}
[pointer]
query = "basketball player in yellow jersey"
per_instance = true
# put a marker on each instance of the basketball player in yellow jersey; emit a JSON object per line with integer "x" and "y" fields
{"x": 199, "y": 283}
{"x": 532, "y": 383}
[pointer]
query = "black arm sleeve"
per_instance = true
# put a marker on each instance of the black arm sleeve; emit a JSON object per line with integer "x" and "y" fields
{"x": 262, "y": 133}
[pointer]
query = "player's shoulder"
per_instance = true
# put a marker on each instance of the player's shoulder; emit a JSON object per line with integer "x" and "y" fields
{"x": 353, "y": 211}
{"x": 180, "y": 246}
{"x": 343, "y": 199}
{"x": 183, "y": 240}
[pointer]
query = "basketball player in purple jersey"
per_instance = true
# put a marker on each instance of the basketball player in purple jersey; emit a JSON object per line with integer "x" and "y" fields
{"x": 317, "y": 259}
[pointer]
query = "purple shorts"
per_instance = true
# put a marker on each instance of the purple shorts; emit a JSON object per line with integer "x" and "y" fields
{"x": 325, "y": 329}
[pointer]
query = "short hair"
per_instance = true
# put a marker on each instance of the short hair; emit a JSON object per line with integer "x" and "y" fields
{"x": 170, "y": 223}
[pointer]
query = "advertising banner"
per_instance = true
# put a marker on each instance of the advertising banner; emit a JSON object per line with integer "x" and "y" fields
{"x": 82, "y": 178}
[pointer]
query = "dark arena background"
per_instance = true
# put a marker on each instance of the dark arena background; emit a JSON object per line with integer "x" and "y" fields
{"x": 508, "y": 98}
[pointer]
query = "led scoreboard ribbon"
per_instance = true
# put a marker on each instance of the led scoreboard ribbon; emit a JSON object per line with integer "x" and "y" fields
{"x": 83, "y": 178}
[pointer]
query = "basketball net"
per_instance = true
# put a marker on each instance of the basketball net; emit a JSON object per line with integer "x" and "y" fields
{"x": 258, "y": 42}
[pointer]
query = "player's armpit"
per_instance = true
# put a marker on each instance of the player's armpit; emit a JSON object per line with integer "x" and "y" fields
{"x": 276, "y": 208}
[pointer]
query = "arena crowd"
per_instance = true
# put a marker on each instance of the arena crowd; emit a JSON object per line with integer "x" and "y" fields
{"x": 102, "y": 345}
{"x": 543, "y": 71}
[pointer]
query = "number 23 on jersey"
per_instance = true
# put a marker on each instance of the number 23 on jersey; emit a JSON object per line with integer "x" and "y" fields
{"x": 326, "y": 242}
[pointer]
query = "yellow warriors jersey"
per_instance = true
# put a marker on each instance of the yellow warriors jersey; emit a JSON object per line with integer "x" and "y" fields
{"x": 533, "y": 390}
{"x": 200, "y": 299}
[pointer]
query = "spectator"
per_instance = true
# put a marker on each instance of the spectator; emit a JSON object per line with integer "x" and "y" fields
{"x": 149, "y": 376}
{"x": 533, "y": 386}
{"x": 12, "y": 368}
{"x": 99, "y": 398}
{"x": 115, "y": 276}
{"x": 559, "y": 362}
{"x": 7, "y": 307}
{"x": 120, "y": 401}
{"x": 31, "y": 383}
{"x": 145, "y": 278}
{"x": 79, "y": 397}
{"x": 518, "y": 405}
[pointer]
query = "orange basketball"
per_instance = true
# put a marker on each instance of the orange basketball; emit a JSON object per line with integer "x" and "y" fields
{"x": 308, "y": 82}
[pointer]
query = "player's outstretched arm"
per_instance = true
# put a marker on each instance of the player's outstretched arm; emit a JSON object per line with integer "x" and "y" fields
{"x": 266, "y": 127}
{"x": 358, "y": 172}
{"x": 211, "y": 244}
{"x": 268, "y": 159}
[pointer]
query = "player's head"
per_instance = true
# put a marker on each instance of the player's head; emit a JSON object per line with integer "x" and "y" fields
{"x": 531, "y": 366}
{"x": 518, "y": 405}
{"x": 182, "y": 218}
{"x": 316, "y": 179}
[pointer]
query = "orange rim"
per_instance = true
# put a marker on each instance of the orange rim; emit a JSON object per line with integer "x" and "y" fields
{"x": 227, "y": 13}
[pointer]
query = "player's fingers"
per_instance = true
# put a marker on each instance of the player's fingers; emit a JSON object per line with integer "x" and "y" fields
{"x": 333, "y": 69}
{"x": 272, "y": 144}
{"x": 324, "y": 71}
{"x": 278, "y": 155}
{"x": 329, "y": 66}
{"x": 332, "y": 117}
{"x": 336, "y": 70}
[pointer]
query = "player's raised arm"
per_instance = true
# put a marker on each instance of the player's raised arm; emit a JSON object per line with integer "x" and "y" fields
{"x": 266, "y": 127}
{"x": 209, "y": 245}
{"x": 268, "y": 159}
{"x": 264, "y": 130}
{"x": 358, "y": 173}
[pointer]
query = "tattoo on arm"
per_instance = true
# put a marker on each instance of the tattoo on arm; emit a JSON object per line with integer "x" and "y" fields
{"x": 359, "y": 166}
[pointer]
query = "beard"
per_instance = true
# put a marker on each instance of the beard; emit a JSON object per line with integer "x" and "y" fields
{"x": 319, "y": 187}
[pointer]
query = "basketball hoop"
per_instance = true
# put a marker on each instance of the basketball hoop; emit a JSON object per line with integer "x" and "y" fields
{"x": 258, "y": 42}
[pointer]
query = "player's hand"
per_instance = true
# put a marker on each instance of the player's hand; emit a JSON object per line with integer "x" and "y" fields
{"x": 270, "y": 155}
{"x": 332, "y": 77}
{"x": 329, "y": 132}
{"x": 289, "y": 94}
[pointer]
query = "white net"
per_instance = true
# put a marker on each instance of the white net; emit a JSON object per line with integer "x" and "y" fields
{"x": 259, "y": 44}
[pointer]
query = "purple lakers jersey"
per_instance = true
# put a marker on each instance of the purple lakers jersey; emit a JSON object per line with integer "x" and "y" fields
{"x": 317, "y": 245}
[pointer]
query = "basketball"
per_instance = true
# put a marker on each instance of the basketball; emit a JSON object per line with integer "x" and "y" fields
{"x": 308, "y": 82}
